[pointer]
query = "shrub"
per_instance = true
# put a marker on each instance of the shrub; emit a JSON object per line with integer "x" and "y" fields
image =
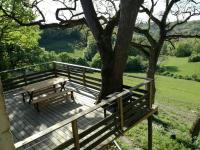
{"x": 81, "y": 61}
{"x": 90, "y": 50}
{"x": 136, "y": 64}
{"x": 183, "y": 49}
{"x": 96, "y": 61}
{"x": 64, "y": 57}
{"x": 194, "y": 58}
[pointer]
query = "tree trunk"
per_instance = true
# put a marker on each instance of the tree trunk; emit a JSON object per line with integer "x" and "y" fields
{"x": 113, "y": 60}
{"x": 151, "y": 74}
{"x": 6, "y": 141}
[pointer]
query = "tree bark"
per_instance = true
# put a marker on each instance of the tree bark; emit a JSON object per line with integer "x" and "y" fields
{"x": 151, "y": 74}
{"x": 113, "y": 60}
{"x": 6, "y": 140}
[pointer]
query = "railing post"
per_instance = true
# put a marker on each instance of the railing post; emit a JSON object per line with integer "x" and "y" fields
{"x": 84, "y": 82}
{"x": 54, "y": 69}
{"x": 24, "y": 74}
{"x": 6, "y": 141}
{"x": 150, "y": 94}
{"x": 68, "y": 71}
{"x": 75, "y": 134}
{"x": 121, "y": 112}
{"x": 150, "y": 132}
{"x": 149, "y": 91}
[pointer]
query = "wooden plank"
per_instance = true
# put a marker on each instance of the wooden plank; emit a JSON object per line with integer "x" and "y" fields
{"x": 101, "y": 139}
{"x": 65, "y": 144}
{"x": 135, "y": 108}
{"x": 79, "y": 66}
{"x": 121, "y": 112}
{"x": 38, "y": 73}
{"x": 93, "y": 78}
{"x": 50, "y": 96}
{"x": 129, "y": 105}
{"x": 97, "y": 125}
{"x": 76, "y": 74}
{"x": 75, "y": 134}
{"x": 93, "y": 83}
{"x": 97, "y": 134}
{"x": 40, "y": 76}
{"x": 145, "y": 116}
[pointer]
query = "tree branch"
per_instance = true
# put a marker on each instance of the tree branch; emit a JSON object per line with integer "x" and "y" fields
{"x": 144, "y": 48}
{"x": 177, "y": 36}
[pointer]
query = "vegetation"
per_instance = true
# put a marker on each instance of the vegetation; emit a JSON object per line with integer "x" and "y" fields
{"x": 177, "y": 111}
{"x": 180, "y": 68}
{"x": 177, "y": 98}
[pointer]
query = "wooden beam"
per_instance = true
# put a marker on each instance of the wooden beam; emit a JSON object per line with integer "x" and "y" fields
{"x": 54, "y": 69}
{"x": 6, "y": 140}
{"x": 121, "y": 112}
{"x": 150, "y": 118}
{"x": 75, "y": 134}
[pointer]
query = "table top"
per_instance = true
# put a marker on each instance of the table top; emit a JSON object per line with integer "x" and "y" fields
{"x": 44, "y": 84}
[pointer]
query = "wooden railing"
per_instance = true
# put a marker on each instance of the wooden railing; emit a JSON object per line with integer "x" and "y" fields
{"x": 12, "y": 79}
{"x": 121, "y": 111}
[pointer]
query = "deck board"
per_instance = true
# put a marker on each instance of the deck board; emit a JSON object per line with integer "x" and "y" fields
{"x": 26, "y": 121}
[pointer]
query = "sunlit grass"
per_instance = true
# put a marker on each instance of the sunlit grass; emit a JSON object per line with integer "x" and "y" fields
{"x": 181, "y": 66}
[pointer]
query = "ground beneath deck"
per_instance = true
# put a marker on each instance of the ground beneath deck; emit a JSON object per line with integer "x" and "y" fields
{"x": 26, "y": 121}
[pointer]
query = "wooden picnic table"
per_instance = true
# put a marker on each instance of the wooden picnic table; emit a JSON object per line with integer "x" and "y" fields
{"x": 39, "y": 86}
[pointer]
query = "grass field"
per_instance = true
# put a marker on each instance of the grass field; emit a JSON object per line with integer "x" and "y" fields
{"x": 181, "y": 66}
{"x": 73, "y": 49}
{"x": 179, "y": 103}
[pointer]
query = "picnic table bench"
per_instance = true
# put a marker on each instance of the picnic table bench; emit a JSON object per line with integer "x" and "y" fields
{"x": 47, "y": 91}
{"x": 52, "y": 98}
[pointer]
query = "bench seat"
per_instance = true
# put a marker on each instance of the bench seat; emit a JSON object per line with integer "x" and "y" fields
{"x": 52, "y": 98}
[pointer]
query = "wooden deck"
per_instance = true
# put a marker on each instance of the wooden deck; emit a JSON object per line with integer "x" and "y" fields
{"x": 79, "y": 124}
{"x": 26, "y": 121}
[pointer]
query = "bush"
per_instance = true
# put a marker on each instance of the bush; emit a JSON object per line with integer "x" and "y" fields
{"x": 136, "y": 64}
{"x": 183, "y": 49}
{"x": 90, "y": 50}
{"x": 194, "y": 58}
{"x": 81, "y": 61}
{"x": 64, "y": 57}
{"x": 96, "y": 61}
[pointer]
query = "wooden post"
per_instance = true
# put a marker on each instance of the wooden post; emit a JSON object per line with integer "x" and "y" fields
{"x": 75, "y": 135}
{"x": 24, "y": 74}
{"x": 121, "y": 114}
{"x": 54, "y": 69}
{"x": 150, "y": 95}
{"x": 68, "y": 71}
{"x": 84, "y": 83}
{"x": 150, "y": 132}
{"x": 6, "y": 140}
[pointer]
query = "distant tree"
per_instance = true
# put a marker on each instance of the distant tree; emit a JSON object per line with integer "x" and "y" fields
{"x": 100, "y": 22}
{"x": 182, "y": 10}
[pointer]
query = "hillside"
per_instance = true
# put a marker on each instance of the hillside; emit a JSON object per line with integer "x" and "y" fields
{"x": 62, "y": 40}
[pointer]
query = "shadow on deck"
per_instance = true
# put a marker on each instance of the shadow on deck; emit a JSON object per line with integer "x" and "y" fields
{"x": 26, "y": 121}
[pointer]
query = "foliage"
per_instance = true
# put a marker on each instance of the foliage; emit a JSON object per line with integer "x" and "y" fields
{"x": 64, "y": 57}
{"x": 135, "y": 63}
{"x": 91, "y": 49}
{"x": 183, "y": 49}
{"x": 61, "y": 39}
{"x": 194, "y": 58}
{"x": 96, "y": 61}
{"x": 133, "y": 51}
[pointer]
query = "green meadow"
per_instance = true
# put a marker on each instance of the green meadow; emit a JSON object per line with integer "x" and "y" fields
{"x": 181, "y": 66}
